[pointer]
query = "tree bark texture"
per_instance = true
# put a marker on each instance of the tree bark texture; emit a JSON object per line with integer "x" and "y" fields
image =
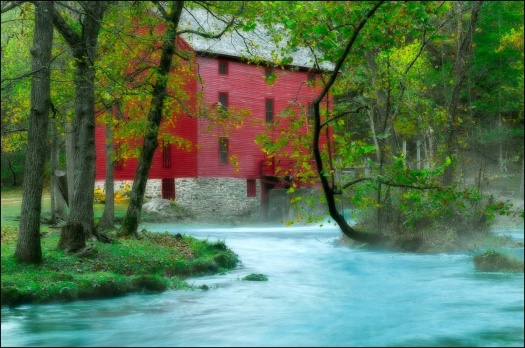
{"x": 70, "y": 161}
{"x": 72, "y": 238}
{"x": 131, "y": 220}
{"x": 58, "y": 204}
{"x": 28, "y": 248}
{"x": 84, "y": 49}
{"x": 107, "y": 220}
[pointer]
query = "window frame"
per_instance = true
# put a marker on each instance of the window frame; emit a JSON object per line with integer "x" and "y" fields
{"x": 224, "y": 148}
{"x": 118, "y": 164}
{"x": 166, "y": 154}
{"x": 251, "y": 188}
{"x": 223, "y": 67}
{"x": 268, "y": 72}
{"x": 269, "y": 112}
{"x": 310, "y": 113}
{"x": 225, "y": 96}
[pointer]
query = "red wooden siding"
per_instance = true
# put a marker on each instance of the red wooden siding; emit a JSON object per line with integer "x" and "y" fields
{"x": 183, "y": 162}
{"x": 238, "y": 86}
{"x": 246, "y": 87}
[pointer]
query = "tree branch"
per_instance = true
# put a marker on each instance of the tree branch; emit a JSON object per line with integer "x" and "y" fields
{"x": 9, "y": 5}
{"x": 386, "y": 182}
{"x": 72, "y": 38}
{"x": 343, "y": 114}
{"x": 348, "y": 47}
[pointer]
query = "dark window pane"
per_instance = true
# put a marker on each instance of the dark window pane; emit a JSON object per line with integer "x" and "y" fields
{"x": 251, "y": 188}
{"x": 269, "y": 110}
{"x": 223, "y": 150}
{"x": 166, "y": 155}
{"x": 311, "y": 112}
{"x": 223, "y": 100}
{"x": 168, "y": 188}
{"x": 223, "y": 68}
{"x": 118, "y": 164}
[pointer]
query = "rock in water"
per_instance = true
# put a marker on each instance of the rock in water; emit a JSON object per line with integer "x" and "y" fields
{"x": 158, "y": 205}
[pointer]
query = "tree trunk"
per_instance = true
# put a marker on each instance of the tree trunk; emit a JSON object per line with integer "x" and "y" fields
{"x": 62, "y": 184}
{"x": 131, "y": 220}
{"x": 70, "y": 162}
{"x": 13, "y": 173}
{"x": 107, "y": 221}
{"x": 328, "y": 190}
{"x": 58, "y": 205}
{"x": 461, "y": 65}
{"x": 522, "y": 176}
{"x": 84, "y": 49}
{"x": 28, "y": 248}
{"x": 72, "y": 238}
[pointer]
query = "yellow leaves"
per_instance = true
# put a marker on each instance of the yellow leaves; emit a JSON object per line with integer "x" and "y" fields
{"x": 234, "y": 160}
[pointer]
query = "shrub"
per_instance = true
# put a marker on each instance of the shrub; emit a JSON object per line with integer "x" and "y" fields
{"x": 493, "y": 261}
{"x": 256, "y": 277}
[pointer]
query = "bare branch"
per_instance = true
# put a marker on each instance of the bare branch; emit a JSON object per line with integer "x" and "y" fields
{"x": 348, "y": 47}
{"x": 343, "y": 114}
{"x": 14, "y": 130}
{"x": 9, "y": 5}
{"x": 386, "y": 182}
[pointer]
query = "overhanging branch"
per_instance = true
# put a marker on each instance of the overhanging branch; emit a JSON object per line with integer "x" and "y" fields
{"x": 344, "y": 114}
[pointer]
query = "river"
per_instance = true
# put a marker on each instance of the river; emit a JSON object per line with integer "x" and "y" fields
{"x": 319, "y": 293}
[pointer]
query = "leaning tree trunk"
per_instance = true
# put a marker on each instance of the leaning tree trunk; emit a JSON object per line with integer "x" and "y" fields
{"x": 28, "y": 248}
{"x": 131, "y": 220}
{"x": 328, "y": 189}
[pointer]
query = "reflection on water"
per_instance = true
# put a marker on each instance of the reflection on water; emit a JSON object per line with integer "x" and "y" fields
{"x": 318, "y": 294}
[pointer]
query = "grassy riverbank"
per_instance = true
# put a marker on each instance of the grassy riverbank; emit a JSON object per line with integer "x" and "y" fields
{"x": 156, "y": 262}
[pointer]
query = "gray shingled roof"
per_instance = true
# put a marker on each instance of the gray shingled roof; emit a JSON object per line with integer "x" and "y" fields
{"x": 254, "y": 45}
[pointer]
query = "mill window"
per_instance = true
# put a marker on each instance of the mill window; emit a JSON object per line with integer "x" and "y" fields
{"x": 223, "y": 68}
{"x": 223, "y": 150}
{"x": 166, "y": 155}
{"x": 269, "y": 110}
{"x": 251, "y": 188}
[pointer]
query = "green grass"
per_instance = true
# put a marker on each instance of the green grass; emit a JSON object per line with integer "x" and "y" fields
{"x": 155, "y": 262}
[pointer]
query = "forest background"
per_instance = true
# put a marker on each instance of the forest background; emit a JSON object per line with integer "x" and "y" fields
{"x": 428, "y": 98}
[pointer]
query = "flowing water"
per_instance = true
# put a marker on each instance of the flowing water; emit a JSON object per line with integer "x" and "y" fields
{"x": 319, "y": 293}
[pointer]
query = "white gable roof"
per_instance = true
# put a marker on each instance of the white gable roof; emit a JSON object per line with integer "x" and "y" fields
{"x": 256, "y": 45}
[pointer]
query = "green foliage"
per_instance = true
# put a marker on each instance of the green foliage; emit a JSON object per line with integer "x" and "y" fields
{"x": 494, "y": 261}
{"x": 400, "y": 74}
{"x": 255, "y": 277}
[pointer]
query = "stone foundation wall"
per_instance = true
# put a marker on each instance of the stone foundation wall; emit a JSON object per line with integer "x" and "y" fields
{"x": 223, "y": 197}
{"x": 205, "y": 197}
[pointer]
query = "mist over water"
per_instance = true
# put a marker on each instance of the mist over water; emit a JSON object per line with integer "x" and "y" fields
{"x": 319, "y": 293}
